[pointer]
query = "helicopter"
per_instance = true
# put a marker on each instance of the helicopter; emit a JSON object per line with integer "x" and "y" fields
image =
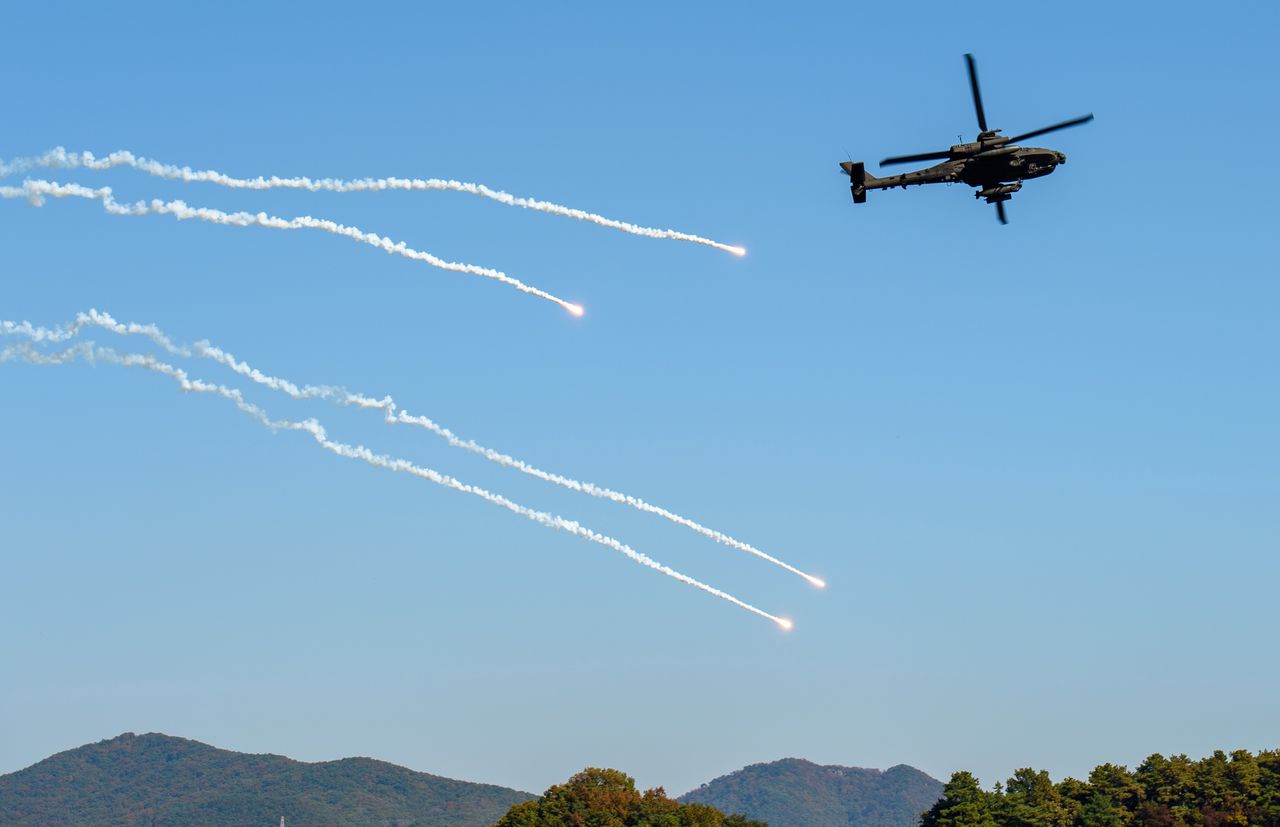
{"x": 993, "y": 163}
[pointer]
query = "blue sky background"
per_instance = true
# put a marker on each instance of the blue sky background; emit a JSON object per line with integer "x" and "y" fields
{"x": 1037, "y": 463}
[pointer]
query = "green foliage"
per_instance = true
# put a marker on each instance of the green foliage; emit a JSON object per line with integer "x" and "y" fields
{"x": 963, "y": 804}
{"x": 1100, "y": 810}
{"x": 1031, "y": 800}
{"x": 1218, "y": 791}
{"x": 158, "y": 781}
{"x": 608, "y": 798}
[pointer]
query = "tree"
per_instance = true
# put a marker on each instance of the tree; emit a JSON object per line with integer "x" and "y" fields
{"x": 1117, "y": 784}
{"x": 963, "y": 804}
{"x": 1266, "y": 810}
{"x": 1101, "y": 811}
{"x": 1031, "y": 800}
{"x": 1169, "y": 788}
{"x": 609, "y": 798}
{"x": 1074, "y": 795}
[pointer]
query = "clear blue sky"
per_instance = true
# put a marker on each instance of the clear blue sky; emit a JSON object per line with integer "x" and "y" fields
{"x": 1037, "y": 463}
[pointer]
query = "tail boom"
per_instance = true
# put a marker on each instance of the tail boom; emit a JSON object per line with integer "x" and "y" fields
{"x": 860, "y": 180}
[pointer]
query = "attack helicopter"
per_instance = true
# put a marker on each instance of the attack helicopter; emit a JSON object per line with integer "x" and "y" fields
{"x": 993, "y": 163}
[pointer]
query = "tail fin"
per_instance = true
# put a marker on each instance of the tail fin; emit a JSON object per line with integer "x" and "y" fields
{"x": 857, "y": 179}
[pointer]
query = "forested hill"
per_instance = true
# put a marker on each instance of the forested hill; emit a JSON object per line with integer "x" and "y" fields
{"x": 142, "y": 780}
{"x": 797, "y": 793}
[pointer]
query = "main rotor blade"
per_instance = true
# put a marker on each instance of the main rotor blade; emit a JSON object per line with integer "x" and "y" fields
{"x": 977, "y": 93}
{"x": 1000, "y": 212}
{"x": 1055, "y": 127}
{"x": 924, "y": 156}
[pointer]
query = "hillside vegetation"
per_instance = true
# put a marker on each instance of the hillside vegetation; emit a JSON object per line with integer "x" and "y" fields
{"x": 797, "y": 793}
{"x": 145, "y": 780}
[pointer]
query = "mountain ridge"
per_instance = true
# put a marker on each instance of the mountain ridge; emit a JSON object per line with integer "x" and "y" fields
{"x": 795, "y": 792}
{"x": 167, "y": 781}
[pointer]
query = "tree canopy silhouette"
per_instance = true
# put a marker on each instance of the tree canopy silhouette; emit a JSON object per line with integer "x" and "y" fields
{"x": 609, "y": 798}
{"x": 1219, "y": 791}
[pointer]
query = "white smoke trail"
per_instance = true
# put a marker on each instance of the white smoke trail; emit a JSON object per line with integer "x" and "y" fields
{"x": 392, "y": 414}
{"x": 37, "y": 191}
{"x": 95, "y": 318}
{"x": 94, "y": 353}
{"x": 61, "y": 158}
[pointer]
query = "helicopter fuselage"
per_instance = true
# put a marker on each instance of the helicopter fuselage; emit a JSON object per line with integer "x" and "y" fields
{"x": 984, "y": 169}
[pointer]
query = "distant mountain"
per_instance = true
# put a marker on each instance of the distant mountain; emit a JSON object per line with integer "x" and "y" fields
{"x": 161, "y": 781}
{"x": 798, "y": 793}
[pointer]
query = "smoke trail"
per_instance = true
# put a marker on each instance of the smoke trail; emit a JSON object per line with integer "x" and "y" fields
{"x": 36, "y": 191}
{"x": 392, "y": 414}
{"x": 93, "y": 317}
{"x": 94, "y": 353}
{"x": 61, "y": 158}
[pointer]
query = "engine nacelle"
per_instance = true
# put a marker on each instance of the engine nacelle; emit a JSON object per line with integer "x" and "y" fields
{"x": 996, "y": 192}
{"x": 986, "y": 144}
{"x": 1009, "y": 149}
{"x": 965, "y": 150}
